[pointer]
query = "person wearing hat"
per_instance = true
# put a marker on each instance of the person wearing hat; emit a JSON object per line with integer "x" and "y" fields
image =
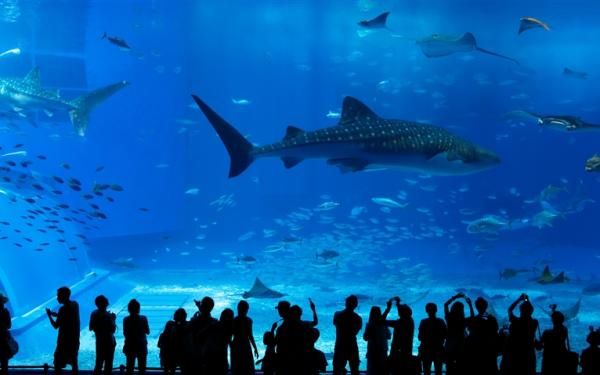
{"x": 5, "y": 324}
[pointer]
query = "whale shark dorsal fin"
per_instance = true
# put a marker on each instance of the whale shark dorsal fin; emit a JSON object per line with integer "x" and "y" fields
{"x": 292, "y": 131}
{"x": 354, "y": 110}
{"x": 33, "y": 77}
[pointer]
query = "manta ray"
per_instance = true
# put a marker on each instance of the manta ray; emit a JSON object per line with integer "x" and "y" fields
{"x": 360, "y": 141}
{"x": 565, "y": 123}
{"x": 260, "y": 290}
{"x": 437, "y": 45}
{"x": 378, "y": 22}
{"x": 528, "y": 23}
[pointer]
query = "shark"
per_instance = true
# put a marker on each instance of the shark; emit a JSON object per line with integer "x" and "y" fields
{"x": 21, "y": 96}
{"x": 565, "y": 123}
{"x": 360, "y": 141}
{"x": 438, "y": 45}
{"x": 260, "y": 290}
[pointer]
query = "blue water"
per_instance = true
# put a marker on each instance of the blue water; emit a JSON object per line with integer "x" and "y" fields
{"x": 292, "y": 63}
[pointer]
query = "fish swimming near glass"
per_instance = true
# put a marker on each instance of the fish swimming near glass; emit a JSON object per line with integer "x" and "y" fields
{"x": 574, "y": 74}
{"x": 23, "y": 95}
{"x": 438, "y": 45}
{"x": 360, "y": 141}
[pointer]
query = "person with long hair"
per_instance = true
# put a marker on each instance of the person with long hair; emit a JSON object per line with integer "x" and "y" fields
{"x": 377, "y": 335}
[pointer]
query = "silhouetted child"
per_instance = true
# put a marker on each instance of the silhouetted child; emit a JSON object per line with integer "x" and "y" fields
{"x": 68, "y": 325}
{"x": 5, "y": 325}
{"x": 432, "y": 333}
{"x": 317, "y": 363}
{"x": 347, "y": 325}
{"x": 268, "y": 361}
{"x": 102, "y": 323}
{"x": 135, "y": 330}
{"x": 590, "y": 357}
{"x": 174, "y": 343}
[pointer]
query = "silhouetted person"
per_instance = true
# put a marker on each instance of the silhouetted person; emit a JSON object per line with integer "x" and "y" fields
{"x": 174, "y": 343}
{"x": 217, "y": 341}
{"x": 268, "y": 361}
{"x": 590, "y": 356}
{"x": 68, "y": 326}
{"x": 102, "y": 323}
{"x": 135, "y": 330}
{"x": 242, "y": 345}
{"x": 376, "y": 335}
{"x": 456, "y": 322}
{"x": 482, "y": 343}
{"x": 288, "y": 340}
{"x": 347, "y": 325}
{"x": 554, "y": 342}
{"x": 317, "y": 363}
{"x": 400, "y": 360}
{"x": 199, "y": 322}
{"x": 519, "y": 354}
{"x": 5, "y": 325}
{"x": 432, "y": 333}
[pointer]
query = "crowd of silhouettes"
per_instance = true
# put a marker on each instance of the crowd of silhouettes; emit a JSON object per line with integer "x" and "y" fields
{"x": 204, "y": 345}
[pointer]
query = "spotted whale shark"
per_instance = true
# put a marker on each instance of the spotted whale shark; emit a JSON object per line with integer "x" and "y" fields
{"x": 21, "y": 96}
{"x": 361, "y": 141}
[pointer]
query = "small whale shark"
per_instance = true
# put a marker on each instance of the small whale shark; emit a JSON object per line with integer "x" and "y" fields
{"x": 378, "y": 22}
{"x": 528, "y": 23}
{"x": 23, "y": 95}
{"x": 437, "y": 45}
{"x": 360, "y": 141}
{"x": 574, "y": 74}
{"x": 260, "y": 290}
{"x": 565, "y": 123}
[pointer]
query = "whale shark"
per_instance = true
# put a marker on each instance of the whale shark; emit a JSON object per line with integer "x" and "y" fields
{"x": 437, "y": 45}
{"x": 21, "y": 96}
{"x": 260, "y": 290}
{"x": 360, "y": 141}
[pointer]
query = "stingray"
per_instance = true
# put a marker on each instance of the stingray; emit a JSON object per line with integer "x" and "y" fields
{"x": 437, "y": 45}
{"x": 260, "y": 290}
{"x": 565, "y": 123}
{"x": 378, "y": 22}
{"x": 528, "y": 23}
{"x": 574, "y": 74}
{"x": 570, "y": 312}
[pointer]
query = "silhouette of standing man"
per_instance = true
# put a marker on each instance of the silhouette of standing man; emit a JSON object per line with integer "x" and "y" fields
{"x": 347, "y": 325}
{"x": 102, "y": 323}
{"x": 67, "y": 323}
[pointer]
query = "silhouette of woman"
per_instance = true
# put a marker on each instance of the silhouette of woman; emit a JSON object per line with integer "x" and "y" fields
{"x": 242, "y": 361}
{"x": 554, "y": 341}
{"x": 135, "y": 330}
{"x": 377, "y": 335}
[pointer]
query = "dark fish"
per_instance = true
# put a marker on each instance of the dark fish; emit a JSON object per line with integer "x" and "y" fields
{"x": 143, "y": 209}
{"x": 73, "y": 259}
{"x": 38, "y": 187}
{"x": 99, "y": 214}
{"x": 116, "y": 187}
{"x": 11, "y": 163}
{"x": 57, "y": 192}
{"x": 42, "y": 157}
{"x": 39, "y": 249}
{"x": 119, "y": 42}
{"x": 94, "y": 206}
{"x": 75, "y": 187}
{"x": 19, "y": 145}
{"x": 74, "y": 181}
{"x": 574, "y": 74}
{"x": 73, "y": 248}
{"x": 3, "y": 237}
{"x": 88, "y": 196}
{"x": 63, "y": 205}
{"x": 100, "y": 168}
{"x": 65, "y": 166}
{"x": 28, "y": 239}
{"x": 45, "y": 244}
{"x": 26, "y": 163}
{"x": 110, "y": 199}
{"x": 30, "y": 200}
{"x": 58, "y": 179}
{"x": 18, "y": 244}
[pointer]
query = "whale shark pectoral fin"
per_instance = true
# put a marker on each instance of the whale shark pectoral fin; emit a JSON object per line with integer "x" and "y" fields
{"x": 349, "y": 164}
{"x": 290, "y": 162}
{"x": 292, "y": 131}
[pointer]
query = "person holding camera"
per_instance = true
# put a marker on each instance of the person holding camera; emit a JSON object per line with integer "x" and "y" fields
{"x": 67, "y": 322}
{"x": 103, "y": 324}
{"x": 454, "y": 314}
{"x": 519, "y": 355}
